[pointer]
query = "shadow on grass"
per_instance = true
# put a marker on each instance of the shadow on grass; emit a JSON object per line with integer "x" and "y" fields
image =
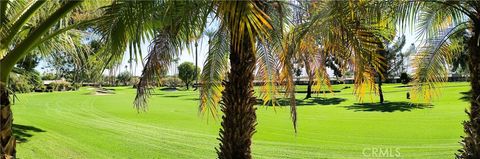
{"x": 168, "y": 89}
{"x": 304, "y": 91}
{"x": 388, "y": 106}
{"x": 403, "y": 86}
{"x": 195, "y": 99}
{"x": 23, "y": 132}
{"x": 306, "y": 102}
{"x": 466, "y": 96}
{"x": 174, "y": 96}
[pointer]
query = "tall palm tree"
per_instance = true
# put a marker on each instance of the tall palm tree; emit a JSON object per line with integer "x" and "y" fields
{"x": 26, "y": 27}
{"x": 242, "y": 24}
{"x": 440, "y": 22}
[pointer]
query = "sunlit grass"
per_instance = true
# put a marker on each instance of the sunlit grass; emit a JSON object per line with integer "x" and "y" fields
{"x": 82, "y": 125}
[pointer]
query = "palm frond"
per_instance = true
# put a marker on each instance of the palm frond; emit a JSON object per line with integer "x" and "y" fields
{"x": 161, "y": 55}
{"x": 286, "y": 74}
{"x": 268, "y": 64}
{"x": 431, "y": 63}
{"x": 436, "y": 18}
{"x": 244, "y": 17}
{"x": 267, "y": 71}
{"x": 127, "y": 24}
{"x": 214, "y": 70}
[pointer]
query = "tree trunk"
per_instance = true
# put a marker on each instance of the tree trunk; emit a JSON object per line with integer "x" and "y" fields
{"x": 187, "y": 85}
{"x": 310, "y": 79}
{"x": 471, "y": 141}
{"x": 309, "y": 88}
{"x": 380, "y": 92}
{"x": 6, "y": 119}
{"x": 196, "y": 66}
{"x": 239, "y": 119}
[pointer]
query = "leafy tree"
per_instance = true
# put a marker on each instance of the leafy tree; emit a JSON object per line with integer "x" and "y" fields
{"x": 25, "y": 69}
{"x": 187, "y": 72}
{"x": 89, "y": 64}
{"x": 20, "y": 83}
{"x": 63, "y": 65}
{"x": 28, "y": 63}
{"x": 125, "y": 77}
{"x": 460, "y": 62}
{"x": 388, "y": 55}
{"x": 405, "y": 78}
{"x": 335, "y": 27}
{"x": 298, "y": 72}
{"x": 49, "y": 76}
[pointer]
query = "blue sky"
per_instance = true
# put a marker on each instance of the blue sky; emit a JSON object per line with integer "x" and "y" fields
{"x": 189, "y": 55}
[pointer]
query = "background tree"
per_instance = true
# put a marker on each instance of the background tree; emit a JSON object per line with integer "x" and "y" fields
{"x": 388, "y": 55}
{"x": 48, "y": 76}
{"x": 125, "y": 77}
{"x": 405, "y": 78}
{"x": 459, "y": 63}
{"x": 187, "y": 72}
{"x": 63, "y": 65}
{"x": 24, "y": 77}
{"x": 89, "y": 63}
{"x": 346, "y": 30}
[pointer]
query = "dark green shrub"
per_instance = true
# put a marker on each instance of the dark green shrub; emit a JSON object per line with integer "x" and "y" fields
{"x": 405, "y": 78}
{"x": 76, "y": 86}
{"x": 20, "y": 84}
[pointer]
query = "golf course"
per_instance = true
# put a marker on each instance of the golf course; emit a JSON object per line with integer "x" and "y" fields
{"x": 85, "y": 124}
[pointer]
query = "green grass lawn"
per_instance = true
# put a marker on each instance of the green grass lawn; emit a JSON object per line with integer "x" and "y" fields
{"x": 81, "y": 125}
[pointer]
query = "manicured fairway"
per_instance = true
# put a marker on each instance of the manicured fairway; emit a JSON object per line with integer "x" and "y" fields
{"x": 81, "y": 125}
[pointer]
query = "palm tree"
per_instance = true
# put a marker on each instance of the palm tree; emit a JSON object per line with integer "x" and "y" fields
{"x": 242, "y": 24}
{"x": 26, "y": 27}
{"x": 442, "y": 24}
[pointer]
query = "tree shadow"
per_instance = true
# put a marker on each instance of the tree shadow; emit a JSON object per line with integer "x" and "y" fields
{"x": 170, "y": 89}
{"x": 23, "y": 132}
{"x": 304, "y": 91}
{"x": 467, "y": 96}
{"x": 387, "y": 106}
{"x": 314, "y": 101}
{"x": 327, "y": 101}
{"x": 193, "y": 99}
{"x": 403, "y": 86}
{"x": 173, "y": 96}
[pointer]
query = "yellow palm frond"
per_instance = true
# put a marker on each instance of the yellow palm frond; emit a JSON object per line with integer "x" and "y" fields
{"x": 213, "y": 74}
{"x": 431, "y": 63}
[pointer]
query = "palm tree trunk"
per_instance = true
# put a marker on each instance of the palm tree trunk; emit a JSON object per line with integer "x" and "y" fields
{"x": 380, "y": 92}
{"x": 239, "y": 119}
{"x": 6, "y": 119}
{"x": 196, "y": 66}
{"x": 471, "y": 141}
